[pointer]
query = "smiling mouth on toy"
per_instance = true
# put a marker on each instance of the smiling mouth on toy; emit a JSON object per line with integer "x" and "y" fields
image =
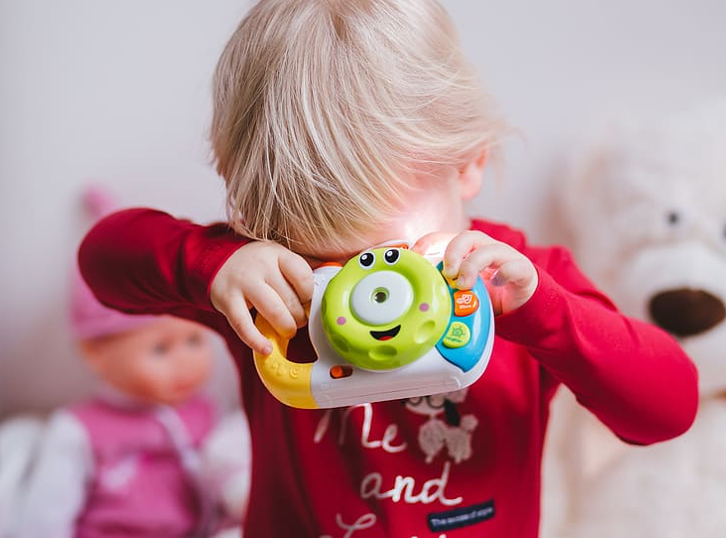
{"x": 386, "y": 335}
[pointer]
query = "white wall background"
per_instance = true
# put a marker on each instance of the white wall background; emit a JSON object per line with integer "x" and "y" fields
{"x": 119, "y": 91}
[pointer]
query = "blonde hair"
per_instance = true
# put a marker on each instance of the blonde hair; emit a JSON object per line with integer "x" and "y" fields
{"x": 324, "y": 111}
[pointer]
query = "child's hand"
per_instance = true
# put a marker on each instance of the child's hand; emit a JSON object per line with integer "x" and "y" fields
{"x": 271, "y": 279}
{"x": 510, "y": 277}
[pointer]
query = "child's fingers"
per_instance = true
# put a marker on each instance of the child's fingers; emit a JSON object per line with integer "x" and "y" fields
{"x": 517, "y": 272}
{"x": 433, "y": 244}
{"x": 298, "y": 273}
{"x": 240, "y": 319}
{"x": 460, "y": 246}
{"x": 271, "y": 307}
{"x": 423, "y": 244}
{"x": 488, "y": 256}
{"x": 288, "y": 295}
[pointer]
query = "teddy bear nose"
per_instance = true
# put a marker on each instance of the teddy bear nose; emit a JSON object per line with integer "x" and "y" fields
{"x": 686, "y": 312}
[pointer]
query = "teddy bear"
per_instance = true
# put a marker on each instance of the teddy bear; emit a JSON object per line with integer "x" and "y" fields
{"x": 645, "y": 208}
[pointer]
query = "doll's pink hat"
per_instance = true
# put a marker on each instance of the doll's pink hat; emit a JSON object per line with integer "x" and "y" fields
{"x": 89, "y": 318}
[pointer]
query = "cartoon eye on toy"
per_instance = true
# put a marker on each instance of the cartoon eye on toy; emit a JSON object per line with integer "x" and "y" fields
{"x": 391, "y": 256}
{"x": 366, "y": 260}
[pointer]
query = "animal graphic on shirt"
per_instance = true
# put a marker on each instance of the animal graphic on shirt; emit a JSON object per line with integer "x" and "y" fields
{"x": 454, "y": 433}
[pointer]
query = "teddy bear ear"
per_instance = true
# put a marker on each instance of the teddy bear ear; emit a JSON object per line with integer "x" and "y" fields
{"x": 588, "y": 168}
{"x": 585, "y": 170}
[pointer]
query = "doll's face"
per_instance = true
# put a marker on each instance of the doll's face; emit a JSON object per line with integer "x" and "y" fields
{"x": 163, "y": 362}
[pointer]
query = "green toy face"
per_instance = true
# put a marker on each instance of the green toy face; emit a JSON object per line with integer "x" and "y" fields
{"x": 386, "y": 308}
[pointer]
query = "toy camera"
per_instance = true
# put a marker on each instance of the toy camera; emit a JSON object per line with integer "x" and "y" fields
{"x": 385, "y": 326}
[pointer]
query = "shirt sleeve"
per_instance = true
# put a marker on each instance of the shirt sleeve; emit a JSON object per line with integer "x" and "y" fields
{"x": 142, "y": 261}
{"x": 56, "y": 490}
{"x": 633, "y": 376}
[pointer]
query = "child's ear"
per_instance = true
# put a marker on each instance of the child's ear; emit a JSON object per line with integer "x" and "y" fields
{"x": 471, "y": 176}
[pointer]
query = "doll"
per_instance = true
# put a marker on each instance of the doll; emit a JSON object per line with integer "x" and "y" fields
{"x": 127, "y": 462}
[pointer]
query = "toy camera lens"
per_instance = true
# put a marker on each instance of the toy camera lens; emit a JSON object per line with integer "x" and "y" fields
{"x": 381, "y": 297}
{"x": 391, "y": 256}
{"x": 366, "y": 260}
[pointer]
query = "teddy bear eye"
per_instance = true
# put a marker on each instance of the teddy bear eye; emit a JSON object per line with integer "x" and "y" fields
{"x": 673, "y": 218}
{"x": 391, "y": 256}
{"x": 366, "y": 260}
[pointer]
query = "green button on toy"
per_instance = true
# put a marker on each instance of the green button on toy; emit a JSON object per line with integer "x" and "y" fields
{"x": 458, "y": 335}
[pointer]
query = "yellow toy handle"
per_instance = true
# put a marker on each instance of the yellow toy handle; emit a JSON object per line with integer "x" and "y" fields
{"x": 288, "y": 381}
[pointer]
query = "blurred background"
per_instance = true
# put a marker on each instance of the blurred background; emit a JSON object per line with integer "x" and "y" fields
{"x": 119, "y": 92}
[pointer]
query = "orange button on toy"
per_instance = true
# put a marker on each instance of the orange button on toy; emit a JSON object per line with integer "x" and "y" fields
{"x": 339, "y": 371}
{"x": 465, "y": 303}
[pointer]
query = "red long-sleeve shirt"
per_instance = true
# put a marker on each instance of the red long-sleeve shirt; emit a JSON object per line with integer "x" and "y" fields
{"x": 464, "y": 465}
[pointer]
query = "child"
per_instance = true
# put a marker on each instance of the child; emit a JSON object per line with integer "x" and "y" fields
{"x": 339, "y": 125}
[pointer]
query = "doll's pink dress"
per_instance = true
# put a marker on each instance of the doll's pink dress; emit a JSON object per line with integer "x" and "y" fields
{"x": 123, "y": 470}
{"x": 140, "y": 486}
